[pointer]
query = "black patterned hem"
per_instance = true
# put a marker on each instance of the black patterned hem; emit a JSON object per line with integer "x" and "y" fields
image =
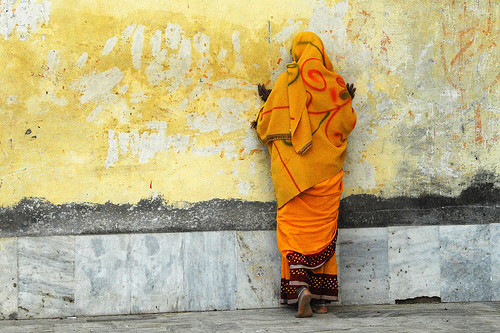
{"x": 322, "y": 287}
{"x": 301, "y": 261}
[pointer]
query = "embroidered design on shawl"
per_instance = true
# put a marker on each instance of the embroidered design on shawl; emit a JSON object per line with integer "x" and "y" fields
{"x": 286, "y": 168}
{"x": 309, "y": 116}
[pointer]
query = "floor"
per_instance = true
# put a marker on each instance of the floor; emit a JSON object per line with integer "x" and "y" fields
{"x": 441, "y": 317}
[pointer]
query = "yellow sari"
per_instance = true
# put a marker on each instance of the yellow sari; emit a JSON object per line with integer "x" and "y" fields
{"x": 305, "y": 123}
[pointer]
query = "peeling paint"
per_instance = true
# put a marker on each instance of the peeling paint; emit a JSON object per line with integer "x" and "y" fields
{"x": 110, "y": 44}
{"x": 145, "y": 145}
{"x": 118, "y": 98}
{"x": 82, "y": 60}
{"x": 137, "y": 46}
{"x": 25, "y": 17}
{"x": 228, "y": 120}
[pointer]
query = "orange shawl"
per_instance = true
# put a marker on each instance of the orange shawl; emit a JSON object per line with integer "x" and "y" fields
{"x": 306, "y": 120}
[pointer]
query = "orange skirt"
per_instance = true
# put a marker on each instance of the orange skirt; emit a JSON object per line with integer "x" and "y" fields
{"x": 307, "y": 235}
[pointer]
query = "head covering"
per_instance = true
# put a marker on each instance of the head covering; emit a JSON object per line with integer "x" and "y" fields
{"x": 309, "y": 109}
{"x": 310, "y": 79}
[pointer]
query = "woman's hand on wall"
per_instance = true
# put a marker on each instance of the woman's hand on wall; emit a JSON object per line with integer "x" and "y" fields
{"x": 351, "y": 89}
{"x": 263, "y": 92}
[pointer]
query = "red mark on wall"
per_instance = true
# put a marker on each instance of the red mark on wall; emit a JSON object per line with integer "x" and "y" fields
{"x": 151, "y": 185}
{"x": 462, "y": 50}
{"x": 363, "y": 12}
{"x": 384, "y": 42}
{"x": 479, "y": 126}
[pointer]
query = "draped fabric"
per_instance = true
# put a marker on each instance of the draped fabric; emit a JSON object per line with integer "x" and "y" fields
{"x": 305, "y": 123}
{"x": 307, "y": 236}
{"x": 306, "y": 120}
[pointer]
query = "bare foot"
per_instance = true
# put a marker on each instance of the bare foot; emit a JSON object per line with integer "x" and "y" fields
{"x": 320, "y": 309}
{"x": 304, "y": 304}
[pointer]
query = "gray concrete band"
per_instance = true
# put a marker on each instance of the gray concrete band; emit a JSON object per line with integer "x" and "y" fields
{"x": 478, "y": 204}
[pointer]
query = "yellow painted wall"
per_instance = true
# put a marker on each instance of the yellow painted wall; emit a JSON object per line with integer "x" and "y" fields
{"x": 118, "y": 101}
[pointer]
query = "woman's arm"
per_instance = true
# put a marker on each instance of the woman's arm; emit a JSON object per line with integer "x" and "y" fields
{"x": 263, "y": 92}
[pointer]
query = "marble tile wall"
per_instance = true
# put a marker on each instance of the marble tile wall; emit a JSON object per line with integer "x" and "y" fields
{"x": 102, "y": 275}
{"x": 495, "y": 261}
{"x": 8, "y": 278}
{"x": 147, "y": 273}
{"x": 465, "y": 263}
{"x": 46, "y": 268}
{"x": 156, "y": 273}
{"x": 258, "y": 270}
{"x": 414, "y": 265}
{"x": 210, "y": 270}
{"x": 363, "y": 266}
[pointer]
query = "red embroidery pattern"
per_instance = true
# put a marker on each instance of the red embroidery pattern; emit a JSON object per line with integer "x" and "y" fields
{"x": 314, "y": 75}
{"x": 338, "y": 139}
{"x": 333, "y": 94}
{"x": 310, "y": 99}
{"x": 341, "y": 81}
{"x": 330, "y": 119}
{"x": 289, "y": 173}
{"x": 326, "y": 111}
{"x": 269, "y": 111}
{"x": 329, "y": 110}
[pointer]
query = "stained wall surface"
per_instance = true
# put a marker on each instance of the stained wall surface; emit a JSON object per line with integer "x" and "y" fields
{"x": 125, "y": 124}
{"x": 105, "y": 104}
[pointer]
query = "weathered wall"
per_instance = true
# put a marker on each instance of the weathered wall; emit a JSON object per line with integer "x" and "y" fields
{"x": 118, "y": 102}
{"x": 133, "y": 117}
